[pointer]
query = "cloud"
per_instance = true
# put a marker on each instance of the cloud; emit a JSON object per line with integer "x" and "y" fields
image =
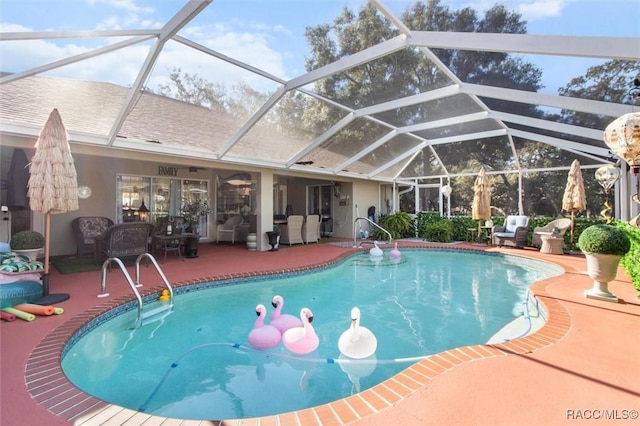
{"x": 128, "y": 5}
{"x": 531, "y": 10}
{"x": 541, "y": 9}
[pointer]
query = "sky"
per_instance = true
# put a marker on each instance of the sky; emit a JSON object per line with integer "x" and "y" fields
{"x": 268, "y": 34}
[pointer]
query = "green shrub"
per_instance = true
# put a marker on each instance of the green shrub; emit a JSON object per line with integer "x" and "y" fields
{"x": 399, "y": 225}
{"x": 631, "y": 261}
{"x": 604, "y": 239}
{"x": 440, "y": 232}
{"x": 26, "y": 240}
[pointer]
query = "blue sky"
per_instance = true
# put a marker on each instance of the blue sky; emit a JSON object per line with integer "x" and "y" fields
{"x": 266, "y": 34}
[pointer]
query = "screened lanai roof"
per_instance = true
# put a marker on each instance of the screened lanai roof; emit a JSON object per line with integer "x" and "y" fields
{"x": 285, "y": 118}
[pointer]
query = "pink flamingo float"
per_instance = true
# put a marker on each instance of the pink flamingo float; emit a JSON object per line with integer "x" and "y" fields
{"x": 281, "y": 321}
{"x": 263, "y": 335}
{"x": 302, "y": 340}
{"x": 395, "y": 253}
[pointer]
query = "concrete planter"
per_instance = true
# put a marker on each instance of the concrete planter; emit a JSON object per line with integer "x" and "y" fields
{"x": 32, "y": 254}
{"x": 602, "y": 268}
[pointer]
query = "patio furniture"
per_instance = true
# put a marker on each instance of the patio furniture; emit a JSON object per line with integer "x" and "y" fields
{"x": 124, "y": 239}
{"x": 311, "y": 229}
{"x": 513, "y": 233}
{"x": 234, "y": 229}
{"x": 551, "y": 244}
{"x": 291, "y": 233}
{"x": 177, "y": 226}
{"x": 560, "y": 224}
{"x": 86, "y": 229}
{"x": 163, "y": 244}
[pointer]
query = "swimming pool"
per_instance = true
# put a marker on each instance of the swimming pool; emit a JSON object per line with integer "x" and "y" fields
{"x": 194, "y": 363}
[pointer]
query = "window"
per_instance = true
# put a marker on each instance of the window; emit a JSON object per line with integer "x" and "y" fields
{"x": 162, "y": 196}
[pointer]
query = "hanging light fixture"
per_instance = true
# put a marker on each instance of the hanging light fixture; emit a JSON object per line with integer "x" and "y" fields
{"x": 446, "y": 191}
{"x": 143, "y": 211}
{"x": 623, "y": 137}
{"x": 607, "y": 176}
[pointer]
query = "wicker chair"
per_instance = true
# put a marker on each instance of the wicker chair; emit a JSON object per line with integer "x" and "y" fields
{"x": 291, "y": 232}
{"x": 86, "y": 229}
{"x": 124, "y": 239}
{"x": 513, "y": 233}
{"x": 562, "y": 225}
{"x": 311, "y": 229}
{"x": 234, "y": 230}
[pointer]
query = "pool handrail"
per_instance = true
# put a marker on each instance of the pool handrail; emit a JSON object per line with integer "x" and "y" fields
{"x": 103, "y": 284}
{"x": 355, "y": 232}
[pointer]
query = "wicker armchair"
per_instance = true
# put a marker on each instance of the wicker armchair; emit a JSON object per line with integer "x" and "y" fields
{"x": 513, "y": 233}
{"x": 86, "y": 229}
{"x": 562, "y": 225}
{"x": 124, "y": 239}
{"x": 234, "y": 230}
{"x": 311, "y": 229}
{"x": 291, "y": 232}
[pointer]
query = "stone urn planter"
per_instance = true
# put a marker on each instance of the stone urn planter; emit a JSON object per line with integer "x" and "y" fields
{"x": 27, "y": 243}
{"x": 603, "y": 246}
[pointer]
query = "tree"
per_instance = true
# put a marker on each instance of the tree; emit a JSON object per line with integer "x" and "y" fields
{"x": 410, "y": 71}
{"x": 194, "y": 90}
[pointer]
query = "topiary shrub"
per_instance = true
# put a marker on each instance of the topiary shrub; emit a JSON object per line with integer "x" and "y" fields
{"x": 26, "y": 240}
{"x": 604, "y": 239}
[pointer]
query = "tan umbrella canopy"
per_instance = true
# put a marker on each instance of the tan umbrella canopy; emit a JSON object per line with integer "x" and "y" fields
{"x": 574, "y": 198}
{"x": 481, "y": 207}
{"x": 53, "y": 184}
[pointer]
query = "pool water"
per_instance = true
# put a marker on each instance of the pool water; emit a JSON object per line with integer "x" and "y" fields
{"x": 194, "y": 361}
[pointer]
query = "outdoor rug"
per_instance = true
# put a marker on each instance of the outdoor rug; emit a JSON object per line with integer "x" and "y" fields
{"x": 74, "y": 264}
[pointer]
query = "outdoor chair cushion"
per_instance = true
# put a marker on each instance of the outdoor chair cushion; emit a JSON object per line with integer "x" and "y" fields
{"x": 513, "y": 232}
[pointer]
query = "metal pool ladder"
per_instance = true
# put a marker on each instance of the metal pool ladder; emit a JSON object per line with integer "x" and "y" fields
{"x": 134, "y": 287}
{"x": 371, "y": 223}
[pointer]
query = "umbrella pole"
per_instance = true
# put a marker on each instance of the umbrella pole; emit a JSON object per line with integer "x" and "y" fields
{"x": 48, "y": 299}
{"x": 572, "y": 221}
{"x": 47, "y": 236}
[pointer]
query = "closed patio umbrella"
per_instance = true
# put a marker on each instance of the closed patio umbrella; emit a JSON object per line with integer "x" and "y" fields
{"x": 481, "y": 207}
{"x": 53, "y": 185}
{"x": 574, "y": 198}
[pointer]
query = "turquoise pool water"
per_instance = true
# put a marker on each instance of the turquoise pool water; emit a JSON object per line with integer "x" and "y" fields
{"x": 194, "y": 361}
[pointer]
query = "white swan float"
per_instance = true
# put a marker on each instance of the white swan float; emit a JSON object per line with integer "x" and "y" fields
{"x": 281, "y": 321}
{"x": 375, "y": 250}
{"x": 263, "y": 335}
{"x": 357, "y": 342}
{"x": 302, "y": 340}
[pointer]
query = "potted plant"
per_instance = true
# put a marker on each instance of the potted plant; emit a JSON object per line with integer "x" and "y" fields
{"x": 27, "y": 243}
{"x": 193, "y": 211}
{"x": 603, "y": 246}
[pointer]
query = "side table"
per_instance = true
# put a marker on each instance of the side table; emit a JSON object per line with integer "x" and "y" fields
{"x": 168, "y": 243}
{"x": 551, "y": 244}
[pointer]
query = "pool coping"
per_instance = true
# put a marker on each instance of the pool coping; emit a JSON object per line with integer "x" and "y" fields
{"x": 48, "y": 385}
